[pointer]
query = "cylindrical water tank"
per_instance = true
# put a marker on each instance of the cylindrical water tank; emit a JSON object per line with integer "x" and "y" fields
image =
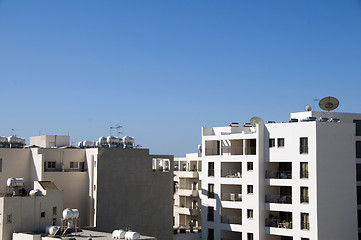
{"x": 15, "y": 182}
{"x": 132, "y": 235}
{"x": 88, "y": 144}
{"x": 35, "y": 192}
{"x": 118, "y": 234}
{"x": 69, "y": 213}
{"x": 80, "y": 144}
{"x": 3, "y": 139}
{"x": 53, "y": 230}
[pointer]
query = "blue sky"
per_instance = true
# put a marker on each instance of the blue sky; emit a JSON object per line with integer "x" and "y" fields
{"x": 164, "y": 69}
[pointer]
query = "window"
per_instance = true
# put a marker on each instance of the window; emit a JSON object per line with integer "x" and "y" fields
{"x": 249, "y": 166}
{"x": 358, "y": 149}
{"x": 81, "y": 165}
{"x": 49, "y": 165}
{"x": 358, "y": 172}
{"x": 210, "y": 190}
{"x": 304, "y": 170}
{"x": 249, "y": 236}
{"x": 303, "y": 145}
{"x": 304, "y": 194}
{"x": 42, "y": 215}
{"x": 250, "y": 189}
{"x": 280, "y": 142}
{"x": 1, "y": 164}
{"x": 9, "y": 218}
{"x": 54, "y": 222}
{"x": 305, "y": 225}
{"x": 54, "y": 211}
{"x": 210, "y": 215}
{"x": 359, "y": 218}
{"x": 95, "y": 187}
{"x": 271, "y": 142}
{"x": 358, "y": 194}
{"x": 358, "y": 127}
{"x": 249, "y": 213}
{"x": 210, "y": 234}
{"x": 74, "y": 165}
{"x": 211, "y": 169}
{"x": 305, "y": 239}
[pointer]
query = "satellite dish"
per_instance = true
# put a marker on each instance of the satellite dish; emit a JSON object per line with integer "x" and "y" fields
{"x": 256, "y": 120}
{"x": 328, "y": 103}
{"x": 308, "y": 108}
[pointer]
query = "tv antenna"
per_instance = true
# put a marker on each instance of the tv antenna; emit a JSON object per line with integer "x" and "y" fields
{"x": 329, "y": 103}
{"x": 12, "y": 130}
{"x": 256, "y": 120}
{"x": 116, "y": 127}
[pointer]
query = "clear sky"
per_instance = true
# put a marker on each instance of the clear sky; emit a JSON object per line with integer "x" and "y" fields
{"x": 164, "y": 69}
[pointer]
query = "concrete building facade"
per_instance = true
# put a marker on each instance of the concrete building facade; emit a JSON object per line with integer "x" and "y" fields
{"x": 280, "y": 181}
{"x": 124, "y": 185}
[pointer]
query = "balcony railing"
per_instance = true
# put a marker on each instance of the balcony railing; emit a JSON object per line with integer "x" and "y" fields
{"x": 279, "y": 223}
{"x": 305, "y": 226}
{"x": 279, "y": 174}
{"x": 303, "y": 149}
{"x": 231, "y": 219}
{"x": 304, "y": 199}
{"x": 235, "y": 197}
{"x": 304, "y": 174}
{"x": 211, "y": 173}
{"x": 278, "y": 199}
{"x": 232, "y": 174}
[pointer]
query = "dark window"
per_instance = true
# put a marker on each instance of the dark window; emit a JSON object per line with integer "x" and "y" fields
{"x": 358, "y": 149}
{"x": 358, "y": 194}
{"x": 210, "y": 215}
{"x": 54, "y": 222}
{"x": 305, "y": 239}
{"x": 304, "y": 194}
{"x": 211, "y": 169}
{"x": 9, "y": 218}
{"x": 42, "y": 214}
{"x": 304, "y": 170}
{"x": 359, "y": 218}
{"x": 271, "y": 142}
{"x": 249, "y": 236}
{"x": 358, "y": 172}
{"x": 358, "y": 127}
{"x": 280, "y": 142}
{"x": 249, "y": 166}
{"x": 210, "y": 190}
{"x": 250, "y": 189}
{"x": 1, "y": 164}
{"x": 210, "y": 234}
{"x": 303, "y": 145}
{"x": 359, "y": 236}
{"x": 54, "y": 211}
{"x": 250, "y": 213}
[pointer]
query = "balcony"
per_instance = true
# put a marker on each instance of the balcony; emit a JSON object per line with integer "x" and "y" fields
{"x": 186, "y": 211}
{"x": 231, "y": 219}
{"x": 187, "y": 192}
{"x": 279, "y": 223}
{"x": 278, "y": 199}
{"x": 186, "y": 174}
{"x": 276, "y": 174}
{"x": 234, "y": 197}
{"x": 231, "y": 170}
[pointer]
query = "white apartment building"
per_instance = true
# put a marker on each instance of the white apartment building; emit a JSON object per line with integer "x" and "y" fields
{"x": 186, "y": 196}
{"x": 281, "y": 181}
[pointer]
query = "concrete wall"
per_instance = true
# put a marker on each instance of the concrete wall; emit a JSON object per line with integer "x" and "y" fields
{"x": 48, "y": 141}
{"x": 131, "y": 195}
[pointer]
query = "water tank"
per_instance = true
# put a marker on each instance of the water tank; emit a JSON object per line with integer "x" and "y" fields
{"x": 80, "y": 144}
{"x": 102, "y": 141}
{"x": 3, "y": 139}
{"x": 132, "y": 235}
{"x": 88, "y": 144}
{"x": 35, "y": 192}
{"x": 119, "y": 234}
{"x": 15, "y": 182}
{"x": 69, "y": 213}
{"x": 53, "y": 230}
{"x": 128, "y": 141}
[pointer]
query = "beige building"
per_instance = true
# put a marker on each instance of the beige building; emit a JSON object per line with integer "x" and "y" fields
{"x": 187, "y": 203}
{"x": 111, "y": 187}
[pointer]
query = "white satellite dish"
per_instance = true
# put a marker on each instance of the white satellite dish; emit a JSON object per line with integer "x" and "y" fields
{"x": 256, "y": 120}
{"x": 329, "y": 103}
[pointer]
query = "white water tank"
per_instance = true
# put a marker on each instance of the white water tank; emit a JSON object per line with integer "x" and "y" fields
{"x": 102, "y": 141}
{"x": 80, "y": 144}
{"x": 132, "y": 235}
{"x": 53, "y": 230}
{"x": 119, "y": 234}
{"x": 69, "y": 213}
{"x": 35, "y": 192}
{"x": 128, "y": 141}
{"x": 3, "y": 139}
{"x": 15, "y": 182}
{"x": 88, "y": 144}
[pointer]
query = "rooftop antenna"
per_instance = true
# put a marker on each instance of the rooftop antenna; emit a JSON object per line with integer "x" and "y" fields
{"x": 314, "y": 103}
{"x": 117, "y": 127}
{"x": 329, "y": 103}
{"x": 256, "y": 120}
{"x": 12, "y": 130}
